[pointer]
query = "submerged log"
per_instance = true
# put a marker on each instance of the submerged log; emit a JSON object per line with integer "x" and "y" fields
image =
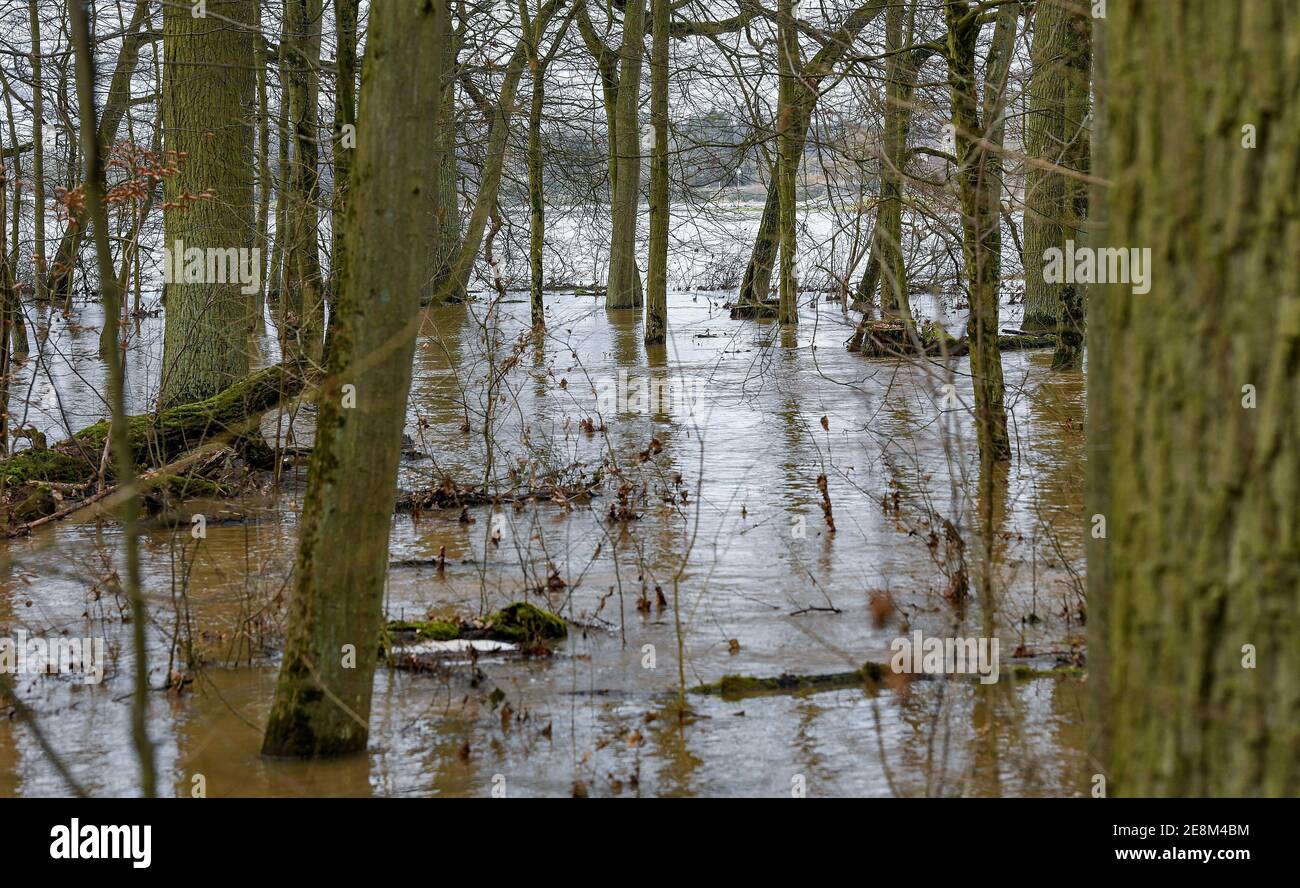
{"x": 157, "y": 438}
{"x": 871, "y": 676}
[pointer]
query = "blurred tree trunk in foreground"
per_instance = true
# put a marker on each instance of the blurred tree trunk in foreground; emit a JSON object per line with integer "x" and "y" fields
{"x": 1194, "y": 401}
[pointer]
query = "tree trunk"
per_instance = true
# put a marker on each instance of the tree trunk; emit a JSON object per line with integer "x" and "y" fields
{"x": 322, "y": 699}
{"x": 264, "y": 188}
{"x": 208, "y": 95}
{"x": 10, "y": 310}
{"x": 979, "y": 172}
{"x": 302, "y": 307}
{"x": 97, "y": 213}
{"x": 345, "y": 116}
{"x": 277, "y": 273}
{"x": 886, "y": 244}
{"x": 1193, "y": 637}
{"x": 158, "y": 438}
{"x": 624, "y": 288}
{"x": 38, "y": 154}
{"x": 900, "y": 80}
{"x": 656, "y": 307}
{"x": 536, "y": 193}
{"x": 1071, "y": 308}
{"x": 864, "y": 294}
{"x": 444, "y": 249}
{"x": 499, "y": 115}
{"x": 789, "y": 149}
{"x": 1055, "y": 136}
{"x": 18, "y": 345}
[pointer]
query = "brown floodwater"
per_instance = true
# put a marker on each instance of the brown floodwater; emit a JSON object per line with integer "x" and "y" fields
{"x": 729, "y": 518}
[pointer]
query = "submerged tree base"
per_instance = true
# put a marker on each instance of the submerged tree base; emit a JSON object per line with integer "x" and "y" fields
{"x": 755, "y": 311}
{"x": 893, "y": 339}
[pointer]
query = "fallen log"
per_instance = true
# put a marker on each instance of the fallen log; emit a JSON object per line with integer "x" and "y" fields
{"x": 167, "y": 481}
{"x": 157, "y": 438}
{"x": 871, "y": 677}
{"x": 560, "y": 487}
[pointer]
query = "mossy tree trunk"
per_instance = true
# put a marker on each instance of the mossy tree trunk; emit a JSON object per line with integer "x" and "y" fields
{"x": 1056, "y": 139}
{"x": 38, "y": 152}
{"x": 864, "y": 294}
{"x": 624, "y": 287}
{"x": 345, "y": 118}
{"x": 158, "y": 438}
{"x": 979, "y": 132}
{"x": 208, "y": 95}
{"x": 656, "y": 307}
{"x": 322, "y": 699}
{"x": 900, "y": 81}
{"x": 1071, "y": 306}
{"x": 264, "y": 187}
{"x": 302, "y": 307}
{"x": 444, "y": 248}
{"x": 1197, "y": 476}
{"x": 789, "y": 150}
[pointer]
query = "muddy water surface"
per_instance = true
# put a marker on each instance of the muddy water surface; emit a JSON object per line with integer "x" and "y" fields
{"x": 720, "y": 473}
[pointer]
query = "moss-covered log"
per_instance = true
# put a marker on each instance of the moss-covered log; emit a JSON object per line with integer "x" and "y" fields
{"x": 870, "y": 676}
{"x": 157, "y": 438}
{"x": 520, "y": 622}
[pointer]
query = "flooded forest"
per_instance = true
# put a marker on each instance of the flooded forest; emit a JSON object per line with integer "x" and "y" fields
{"x": 594, "y": 398}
